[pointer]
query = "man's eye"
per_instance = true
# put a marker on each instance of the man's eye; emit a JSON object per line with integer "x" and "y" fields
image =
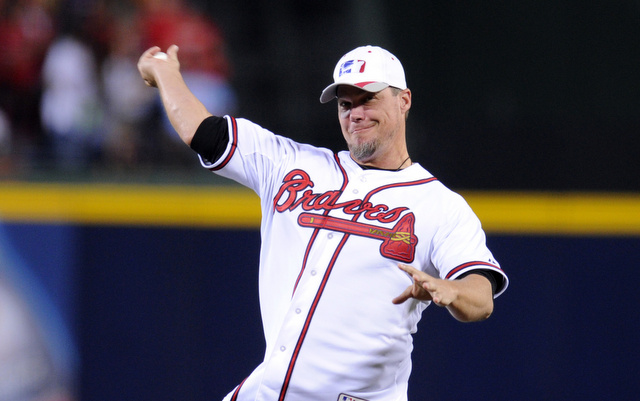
{"x": 344, "y": 105}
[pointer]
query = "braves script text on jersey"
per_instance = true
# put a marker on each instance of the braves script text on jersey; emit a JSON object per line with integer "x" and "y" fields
{"x": 332, "y": 236}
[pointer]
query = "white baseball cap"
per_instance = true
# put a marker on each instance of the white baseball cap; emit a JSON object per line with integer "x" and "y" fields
{"x": 370, "y": 68}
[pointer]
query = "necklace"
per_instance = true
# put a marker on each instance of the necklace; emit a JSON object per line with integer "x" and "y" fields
{"x": 405, "y": 160}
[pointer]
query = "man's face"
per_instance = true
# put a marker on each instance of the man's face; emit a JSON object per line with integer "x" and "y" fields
{"x": 372, "y": 124}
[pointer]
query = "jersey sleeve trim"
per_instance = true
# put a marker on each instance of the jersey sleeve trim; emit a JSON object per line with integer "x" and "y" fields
{"x": 229, "y": 152}
{"x": 469, "y": 266}
{"x": 233, "y": 129}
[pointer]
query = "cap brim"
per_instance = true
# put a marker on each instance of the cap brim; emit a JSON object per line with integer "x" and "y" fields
{"x": 330, "y": 92}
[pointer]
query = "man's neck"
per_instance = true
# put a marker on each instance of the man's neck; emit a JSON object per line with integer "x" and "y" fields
{"x": 406, "y": 162}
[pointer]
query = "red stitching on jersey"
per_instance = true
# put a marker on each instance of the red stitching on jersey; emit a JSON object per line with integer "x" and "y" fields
{"x": 304, "y": 260}
{"x": 234, "y": 145}
{"x": 235, "y": 393}
{"x": 345, "y": 181}
{"x": 398, "y": 184}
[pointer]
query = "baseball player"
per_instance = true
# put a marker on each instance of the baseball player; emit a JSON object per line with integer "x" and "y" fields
{"x": 355, "y": 245}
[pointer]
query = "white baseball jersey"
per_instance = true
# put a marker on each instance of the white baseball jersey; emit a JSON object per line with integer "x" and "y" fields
{"x": 332, "y": 236}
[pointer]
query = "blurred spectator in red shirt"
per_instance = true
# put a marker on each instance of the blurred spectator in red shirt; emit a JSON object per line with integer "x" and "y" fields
{"x": 203, "y": 60}
{"x": 202, "y": 46}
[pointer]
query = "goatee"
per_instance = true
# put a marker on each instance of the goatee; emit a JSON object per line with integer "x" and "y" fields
{"x": 362, "y": 152}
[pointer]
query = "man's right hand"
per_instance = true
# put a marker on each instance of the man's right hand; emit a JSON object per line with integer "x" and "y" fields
{"x": 148, "y": 65}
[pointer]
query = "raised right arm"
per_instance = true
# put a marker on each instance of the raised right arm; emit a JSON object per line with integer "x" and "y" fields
{"x": 184, "y": 110}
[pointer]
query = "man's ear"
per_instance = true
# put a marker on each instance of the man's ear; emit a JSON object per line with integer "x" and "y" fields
{"x": 405, "y": 100}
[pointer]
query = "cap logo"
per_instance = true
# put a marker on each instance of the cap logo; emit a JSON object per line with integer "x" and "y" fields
{"x": 352, "y": 66}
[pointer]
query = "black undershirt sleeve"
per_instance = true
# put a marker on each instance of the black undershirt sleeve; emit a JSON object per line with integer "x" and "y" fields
{"x": 489, "y": 274}
{"x": 211, "y": 138}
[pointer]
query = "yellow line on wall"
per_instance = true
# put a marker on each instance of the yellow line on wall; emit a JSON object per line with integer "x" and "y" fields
{"x": 561, "y": 213}
{"x": 564, "y": 213}
{"x": 111, "y": 204}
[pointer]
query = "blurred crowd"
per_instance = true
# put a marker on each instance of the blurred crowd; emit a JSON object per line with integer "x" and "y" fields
{"x": 71, "y": 98}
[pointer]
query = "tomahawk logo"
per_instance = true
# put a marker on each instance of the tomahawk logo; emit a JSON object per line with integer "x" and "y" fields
{"x": 398, "y": 243}
{"x": 352, "y": 66}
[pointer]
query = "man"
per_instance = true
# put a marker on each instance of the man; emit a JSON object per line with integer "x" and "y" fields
{"x": 355, "y": 245}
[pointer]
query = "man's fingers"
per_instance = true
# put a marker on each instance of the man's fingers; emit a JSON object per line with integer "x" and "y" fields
{"x": 424, "y": 287}
{"x": 150, "y": 51}
{"x": 172, "y": 51}
{"x": 438, "y": 297}
{"x": 418, "y": 276}
{"x": 406, "y": 294}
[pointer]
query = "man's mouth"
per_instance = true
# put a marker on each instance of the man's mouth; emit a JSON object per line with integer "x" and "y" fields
{"x": 360, "y": 129}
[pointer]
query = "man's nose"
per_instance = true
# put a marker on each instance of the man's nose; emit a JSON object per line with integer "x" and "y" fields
{"x": 357, "y": 113}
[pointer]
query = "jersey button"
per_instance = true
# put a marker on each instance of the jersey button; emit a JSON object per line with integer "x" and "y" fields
{"x": 298, "y": 310}
{"x": 355, "y": 191}
{"x": 283, "y": 348}
{"x": 313, "y": 272}
{"x": 330, "y": 235}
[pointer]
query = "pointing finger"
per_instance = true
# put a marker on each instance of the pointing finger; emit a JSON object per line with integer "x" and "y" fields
{"x": 406, "y": 294}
